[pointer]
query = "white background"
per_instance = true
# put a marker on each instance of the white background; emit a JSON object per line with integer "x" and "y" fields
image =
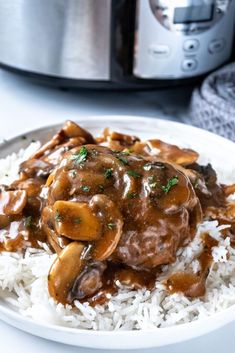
{"x": 24, "y": 106}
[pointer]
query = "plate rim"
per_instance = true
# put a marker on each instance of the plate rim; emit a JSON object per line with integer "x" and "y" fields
{"x": 95, "y": 118}
{"x": 222, "y": 318}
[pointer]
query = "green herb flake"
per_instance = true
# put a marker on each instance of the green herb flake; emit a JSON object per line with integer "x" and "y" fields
{"x": 134, "y": 174}
{"x": 85, "y": 188}
{"x": 77, "y": 220}
{"x": 23, "y": 137}
{"x": 147, "y": 166}
{"x": 171, "y": 182}
{"x": 108, "y": 173}
{"x": 111, "y": 226}
{"x": 33, "y": 141}
{"x": 131, "y": 195}
{"x": 58, "y": 216}
{"x": 80, "y": 157}
{"x": 28, "y": 222}
{"x": 6, "y": 175}
{"x": 123, "y": 160}
{"x": 73, "y": 174}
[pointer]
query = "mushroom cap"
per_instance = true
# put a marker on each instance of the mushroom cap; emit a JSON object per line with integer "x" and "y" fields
{"x": 64, "y": 271}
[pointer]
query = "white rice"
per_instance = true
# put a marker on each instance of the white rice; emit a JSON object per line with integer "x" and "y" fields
{"x": 23, "y": 283}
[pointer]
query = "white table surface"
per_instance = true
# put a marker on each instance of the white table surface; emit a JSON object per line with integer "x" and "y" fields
{"x": 24, "y": 106}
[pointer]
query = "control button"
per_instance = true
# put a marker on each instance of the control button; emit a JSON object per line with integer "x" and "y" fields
{"x": 189, "y": 64}
{"x": 191, "y": 45}
{"x": 216, "y": 45}
{"x": 159, "y": 50}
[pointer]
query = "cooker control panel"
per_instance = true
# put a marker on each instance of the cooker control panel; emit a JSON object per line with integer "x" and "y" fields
{"x": 182, "y": 38}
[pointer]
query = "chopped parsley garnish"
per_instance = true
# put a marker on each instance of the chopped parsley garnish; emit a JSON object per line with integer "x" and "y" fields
{"x": 58, "y": 216}
{"x": 85, "y": 188}
{"x": 171, "y": 182}
{"x": 28, "y": 222}
{"x": 134, "y": 174}
{"x": 33, "y": 141}
{"x": 80, "y": 157}
{"x": 23, "y": 137}
{"x": 131, "y": 195}
{"x": 147, "y": 167}
{"x": 123, "y": 160}
{"x": 108, "y": 173}
{"x": 110, "y": 226}
{"x": 77, "y": 220}
{"x": 6, "y": 175}
{"x": 73, "y": 174}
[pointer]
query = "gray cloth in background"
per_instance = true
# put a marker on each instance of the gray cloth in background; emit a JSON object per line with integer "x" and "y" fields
{"x": 213, "y": 104}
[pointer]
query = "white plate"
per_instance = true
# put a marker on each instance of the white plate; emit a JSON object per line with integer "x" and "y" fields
{"x": 221, "y": 153}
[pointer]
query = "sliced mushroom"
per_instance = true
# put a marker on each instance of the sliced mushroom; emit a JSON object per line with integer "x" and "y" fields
{"x": 35, "y": 167}
{"x": 88, "y": 282}
{"x": 54, "y": 156}
{"x": 64, "y": 271}
{"x": 207, "y": 188}
{"x": 116, "y": 140}
{"x": 12, "y": 202}
{"x": 76, "y": 220}
{"x": 112, "y": 229}
{"x": 50, "y": 154}
{"x": 50, "y": 178}
{"x": 165, "y": 151}
{"x": 69, "y": 130}
{"x": 59, "y": 188}
{"x": 57, "y": 242}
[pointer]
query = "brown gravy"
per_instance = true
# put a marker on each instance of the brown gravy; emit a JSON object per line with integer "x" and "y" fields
{"x": 116, "y": 274}
{"x": 134, "y": 209}
{"x": 191, "y": 284}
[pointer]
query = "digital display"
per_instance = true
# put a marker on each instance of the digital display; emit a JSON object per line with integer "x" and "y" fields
{"x": 193, "y": 14}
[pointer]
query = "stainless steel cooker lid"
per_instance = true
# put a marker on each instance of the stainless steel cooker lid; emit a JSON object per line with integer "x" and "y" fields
{"x": 66, "y": 38}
